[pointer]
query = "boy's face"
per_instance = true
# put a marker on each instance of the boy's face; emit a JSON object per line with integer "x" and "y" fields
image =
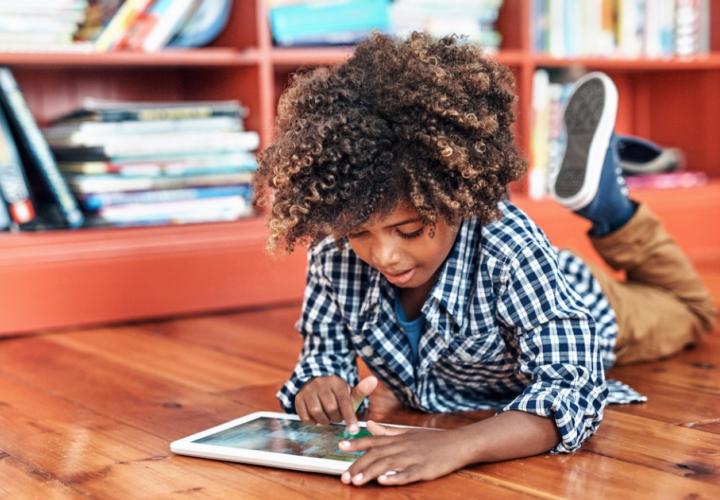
{"x": 399, "y": 246}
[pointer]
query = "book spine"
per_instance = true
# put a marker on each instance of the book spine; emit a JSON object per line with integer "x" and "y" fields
{"x": 669, "y": 180}
{"x": 168, "y": 17}
{"x": 136, "y": 32}
{"x": 37, "y": 148}
{"x": 539, "y": 154}
{"x": 311, "y": 20}
{"x": 152, "y": 114}
{"x": 96, "y": 201}
{"x": 13, "y": 183}
{"x": 5, "y": 220}
{"x": 119, "y": 24}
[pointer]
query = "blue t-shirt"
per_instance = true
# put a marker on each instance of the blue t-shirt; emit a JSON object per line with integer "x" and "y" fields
{"x": 412, "y": 329}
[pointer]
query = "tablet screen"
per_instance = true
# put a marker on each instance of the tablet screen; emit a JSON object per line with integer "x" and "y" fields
{"x": 290, "y": 437}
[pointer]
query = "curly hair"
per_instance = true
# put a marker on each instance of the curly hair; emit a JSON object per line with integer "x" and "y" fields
{"x": 423, "y": 121}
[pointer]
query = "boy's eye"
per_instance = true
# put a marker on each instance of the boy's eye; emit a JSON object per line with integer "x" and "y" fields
{"x": 411, "y": 234}
{"x": 357, "y": 235}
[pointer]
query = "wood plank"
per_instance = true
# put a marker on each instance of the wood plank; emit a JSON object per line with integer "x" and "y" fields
{"x": 266, "y": 336}
{"x": 665, "y": 447}
{"x": 586, "y": 475}
{"x": 117, "y": 391}
{"x": 156, "y": 355}
{"x": 88, "y": 451}
{"x": 18, "y": 480}
{"x": 696, "y": 369}
{"x": 103, "y": 457}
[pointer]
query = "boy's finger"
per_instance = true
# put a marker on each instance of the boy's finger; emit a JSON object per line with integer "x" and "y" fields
{"x": 364, "y": 388}
{"x": 301, "y": 410}
{"x": 365, "y": 443}
{"x": 330, "y": 406}
{"x": 347, "y": 410}
{"x": 380, "y": 430}
{"x": 315, "y": 409}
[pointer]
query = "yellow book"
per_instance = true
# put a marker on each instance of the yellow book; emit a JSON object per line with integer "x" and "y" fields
{"x": 120, "y": 22}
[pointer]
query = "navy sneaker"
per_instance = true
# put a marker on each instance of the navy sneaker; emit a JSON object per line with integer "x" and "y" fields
{"x": 589, "y": 180}
{"x": 640, "y": 156}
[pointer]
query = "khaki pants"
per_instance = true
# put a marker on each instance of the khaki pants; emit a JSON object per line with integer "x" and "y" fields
{"x": 662, "y": 306}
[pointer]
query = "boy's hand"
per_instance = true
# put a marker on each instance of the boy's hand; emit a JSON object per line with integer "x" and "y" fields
{"x": 330, "y": 399}
{"x": 401, "y": 456}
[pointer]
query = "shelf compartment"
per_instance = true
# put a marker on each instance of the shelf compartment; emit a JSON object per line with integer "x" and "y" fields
{"x": 212, "y": 56}
{"x": 708, "y": 62}
{"x": 94, "y": 276}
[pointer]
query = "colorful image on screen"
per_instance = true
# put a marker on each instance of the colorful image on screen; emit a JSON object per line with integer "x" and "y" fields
{"x": 290, "y": 437}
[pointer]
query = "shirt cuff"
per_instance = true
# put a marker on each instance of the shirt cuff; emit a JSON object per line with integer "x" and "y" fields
{"x": 576, "y": 413}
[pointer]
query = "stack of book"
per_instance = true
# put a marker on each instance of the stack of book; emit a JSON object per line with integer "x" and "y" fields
{"x": 109, "y": 25}
{"x": 474, "y": 19}
{"x": 156, "y": 163}
{"x": 625, "y": 28}
{"x": 547, "y": 139}
{"x": 33, "y": 25}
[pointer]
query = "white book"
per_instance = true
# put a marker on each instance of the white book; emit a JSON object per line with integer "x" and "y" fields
{"x": 170, "y": 143}
{"x": 169, "y": 208}
{"x": 82, "y": 132}
{"x": 537, "y": 186}
{"x": 171, "y": 15}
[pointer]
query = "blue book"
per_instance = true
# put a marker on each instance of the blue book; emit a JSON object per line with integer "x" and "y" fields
{"x": 295, "y": 23}
{"x": 40, "y": 162}
{"x": 13, "y": 183}
{"x": 96, "y": 201}
{"x": 5, "y": 222}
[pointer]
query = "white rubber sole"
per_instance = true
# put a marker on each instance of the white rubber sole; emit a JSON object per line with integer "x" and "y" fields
{"x": 576, "y": 182}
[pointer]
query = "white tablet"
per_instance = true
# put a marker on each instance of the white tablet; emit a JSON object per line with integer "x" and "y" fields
{"x": 275, "y": 440}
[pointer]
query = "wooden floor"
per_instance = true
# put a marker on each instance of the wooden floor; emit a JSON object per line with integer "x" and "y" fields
{"x": 91, "y": 414}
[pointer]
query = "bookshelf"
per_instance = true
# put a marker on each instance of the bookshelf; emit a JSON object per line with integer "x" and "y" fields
{"x": 69, "y": 278}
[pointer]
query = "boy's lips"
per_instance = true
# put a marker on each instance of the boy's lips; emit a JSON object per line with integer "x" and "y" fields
{"x": 400, "y": 278}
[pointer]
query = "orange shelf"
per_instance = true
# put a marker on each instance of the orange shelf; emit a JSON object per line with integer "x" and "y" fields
{"x": 211, "y": 56}
{"x": 687, "y": 213}
{"x": 711, "y": 61}
{"x": 82, "y": 277}
{"x": 288, "y": 58}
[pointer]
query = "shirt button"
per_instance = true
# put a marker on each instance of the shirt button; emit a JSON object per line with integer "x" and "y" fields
{"x": 367, "y": 351}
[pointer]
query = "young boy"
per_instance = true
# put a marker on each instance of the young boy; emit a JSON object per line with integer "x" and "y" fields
{"x": 394, "y": 166}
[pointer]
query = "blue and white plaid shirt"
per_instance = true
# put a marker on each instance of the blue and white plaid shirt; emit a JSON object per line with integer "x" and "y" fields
{"x": 510, "y": 324}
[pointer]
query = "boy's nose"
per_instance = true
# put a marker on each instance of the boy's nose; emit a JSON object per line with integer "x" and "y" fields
{"x": 385, "y": 257}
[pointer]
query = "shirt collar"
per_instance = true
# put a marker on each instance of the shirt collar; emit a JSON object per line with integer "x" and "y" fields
{"x": 455, "y": 281}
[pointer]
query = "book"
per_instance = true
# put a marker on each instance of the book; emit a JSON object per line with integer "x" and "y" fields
{"x": 163, "y": 20}
{"x": 212, "y": 210}
{"x": 5, "y": 220}
{"x": 39, "y": 162}
{"x": 79, "y": 131}
{"x": 13, "y": 183}
{"x": 174, "y": 145}
{"x": 204, "y": 25}
{"x": 120, "y": 23}
{"x": 189, "y": 165}
{"x": 667, "y": 180}
{"x": 336, "y": 21}
{"x": 85, "y": 184}
{"x": 96, "y": 201}
{"x": 99, "y": 110}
